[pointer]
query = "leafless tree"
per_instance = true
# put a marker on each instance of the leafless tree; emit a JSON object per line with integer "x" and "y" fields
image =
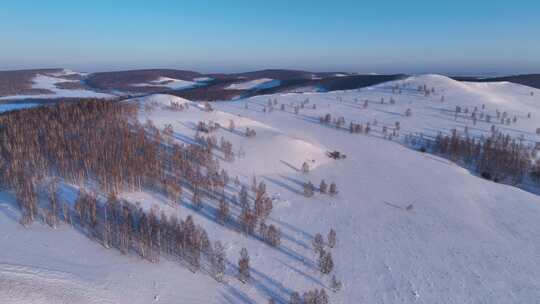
{"x": 318, "y": 243}
{"x": 218, "y": 261}
{"x": 243, "y": 266}
{"x": 331, "y": 238}
{"x": 333, "y": 189}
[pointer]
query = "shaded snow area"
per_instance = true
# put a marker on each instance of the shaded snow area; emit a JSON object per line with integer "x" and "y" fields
{"x": 171, "y": 83}
{"x": 48, "y": 82}
{"x": 203, "y": 79}
{"x": 5, "y": 107}
{"x": 462, "y": 240}
{"x": 257, "y": 84}
{"x": 305, "y": 89}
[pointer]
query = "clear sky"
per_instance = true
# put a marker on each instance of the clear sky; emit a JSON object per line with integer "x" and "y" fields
{"x": 457, "y": 36}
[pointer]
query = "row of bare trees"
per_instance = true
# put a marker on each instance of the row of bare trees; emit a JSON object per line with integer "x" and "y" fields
{"x": 497, "y": 157}
{"x": 102, "y": 143}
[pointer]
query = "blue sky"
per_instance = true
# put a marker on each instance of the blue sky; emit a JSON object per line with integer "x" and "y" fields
{"x": 458, "y": 36}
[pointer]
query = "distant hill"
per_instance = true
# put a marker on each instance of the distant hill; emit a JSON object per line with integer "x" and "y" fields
{"x": 531, "y": 80}
{"x": 61, "y": 83}
{"x": 222, "y": 86}
{"x": 125, "y": 80}
{"x": 19, "y": 82}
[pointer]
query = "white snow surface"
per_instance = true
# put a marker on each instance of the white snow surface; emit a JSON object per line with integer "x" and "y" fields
{"x": 163, "y": 100}
{"x": 171, "y": 83}
{"x": 203, "y": 79}
{"x": 466, "y": 240}
{"x": 256, "y": 84}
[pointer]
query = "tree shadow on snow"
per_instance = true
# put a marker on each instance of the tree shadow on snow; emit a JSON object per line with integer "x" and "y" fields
{"x": 283, "y": 185}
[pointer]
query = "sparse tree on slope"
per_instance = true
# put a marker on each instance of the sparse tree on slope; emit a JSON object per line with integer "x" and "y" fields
{"x": 305, "y": 168}
{"x": 243, "y": 266}
{"x": 318, "y": 243}
{"x": 295, "y": 298}
{"x": 273, "y": 236}
{"x": 335, "y": 284}
{"x": 333, "y": 189}
{"x": 323, "y": 187}
{"x": 223, "y": 213}
{"x": 331, "y": 238}
{"x": 326, "y": 263}
{"x": 52, "y": 216}
{"x": 309, "y": 189}
{"x": 218, "y": 261}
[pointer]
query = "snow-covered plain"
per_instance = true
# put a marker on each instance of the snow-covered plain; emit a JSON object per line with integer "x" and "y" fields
{"x": 466, "y": 240}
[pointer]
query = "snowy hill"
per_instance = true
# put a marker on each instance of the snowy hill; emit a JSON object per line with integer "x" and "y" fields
{"x": 412, "y": 227}
{"x": 257, "y": 84}
{"x": 63, "y": 83}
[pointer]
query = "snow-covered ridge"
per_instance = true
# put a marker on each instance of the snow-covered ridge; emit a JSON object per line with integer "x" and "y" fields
{"x": 171, "y": 83}
{"x": 256, "y": 84}
{"x": 163, "y": 100}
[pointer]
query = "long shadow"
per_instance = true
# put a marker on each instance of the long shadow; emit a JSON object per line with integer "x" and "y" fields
{"x": 317, "y": 122}
{"x": 308, "y": 262}
{"x": 263, "y": 284}
{"x": 227, "y": 299}
{"x": 236, "y": 296}
{"x": 296, "y": 181}
{"x": 351, "y": 106}
{"x": 283, "y": 185}
{"x": 235, "y": 132}
{"x": 277, "y": 285}
{"x": 290, "y": 166}
{"x": 291, "y": 227}
{"x": 299, "y": 243}
{"x": 9, "y": 209}
{"x": 390, "y": 112}
{"x": 210, "y": 213}
{"x": 185, "y": 139}
{"x": 190, "y": 125}
{"x": 309, "y": 118}
{"x": 302, "y": 273}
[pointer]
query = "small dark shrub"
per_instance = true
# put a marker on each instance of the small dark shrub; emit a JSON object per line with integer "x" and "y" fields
{"x": 486, "y": 175}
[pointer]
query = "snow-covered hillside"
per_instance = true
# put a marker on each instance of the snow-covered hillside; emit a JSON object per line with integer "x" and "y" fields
{"x": 172, "y": 83}
{"x": 256, "y": 84}
{"x": 51, "y": 82}
{"x": 411, "y": 227}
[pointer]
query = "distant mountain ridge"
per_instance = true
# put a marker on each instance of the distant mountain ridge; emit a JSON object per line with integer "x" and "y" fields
{"x": 531, "y": 80}
{"x": 61, "y": 83}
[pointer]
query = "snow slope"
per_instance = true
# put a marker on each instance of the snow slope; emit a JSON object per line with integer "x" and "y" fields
{"x": 256, "y": 84}
{"x": 466, "y": 240}
{"x": 171, "y": 83}
{"x": 49, "y": 82}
